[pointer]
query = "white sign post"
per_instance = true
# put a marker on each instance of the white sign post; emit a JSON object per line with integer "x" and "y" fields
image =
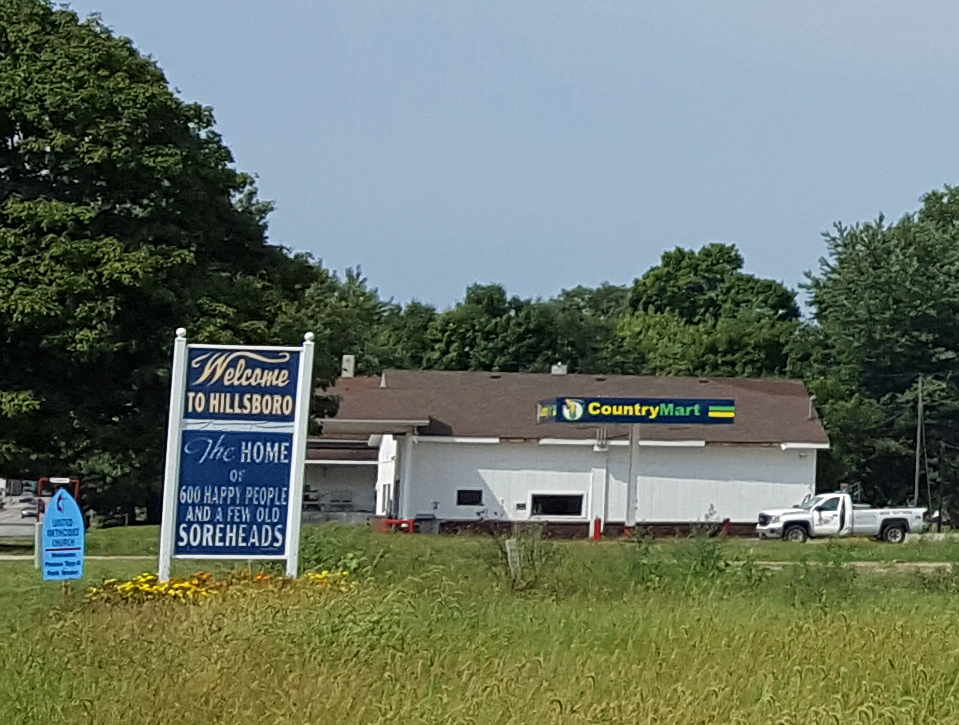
{"x": 236, "y": 447}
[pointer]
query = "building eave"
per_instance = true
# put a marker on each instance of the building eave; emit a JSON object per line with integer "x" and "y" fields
{"x": 373, "y": 427}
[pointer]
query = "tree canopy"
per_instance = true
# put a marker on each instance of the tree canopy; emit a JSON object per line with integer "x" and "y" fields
{"x": 886, "y": 305}
{"x": 123, "y": 217}
{"x": 698, "y": 313}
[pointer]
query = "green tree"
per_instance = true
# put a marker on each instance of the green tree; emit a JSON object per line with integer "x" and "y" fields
{"x": 708, "y": 284}
{"x": 491, "y": 331}
{"x": 471, "y": 335}
{"x": 121, "y": 219}
{"x": 346, "y": 316}
{"x": 588, "y": 316}
{"x": 402, "y": 339}
{"x": 886, "y": 303}
{"x": 655, "y": 344}
{"x": 698, "y": 313}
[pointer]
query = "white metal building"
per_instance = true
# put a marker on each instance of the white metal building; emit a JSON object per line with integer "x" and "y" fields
{"x": 465, "y": 447}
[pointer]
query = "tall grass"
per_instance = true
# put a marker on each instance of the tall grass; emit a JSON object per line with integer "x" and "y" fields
{"x": 438, "y": 631}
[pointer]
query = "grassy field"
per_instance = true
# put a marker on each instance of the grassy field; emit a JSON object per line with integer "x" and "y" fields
{"x": 435, "y": 630}
{"x": 145, "y": 540}
{"x": 117, "y": 541}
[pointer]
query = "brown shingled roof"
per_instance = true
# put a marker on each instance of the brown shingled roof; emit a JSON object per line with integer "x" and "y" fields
{"x": 768, "y": 411}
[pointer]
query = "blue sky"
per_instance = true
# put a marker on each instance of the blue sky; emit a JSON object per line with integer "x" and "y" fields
{"x": 549, "y": 144}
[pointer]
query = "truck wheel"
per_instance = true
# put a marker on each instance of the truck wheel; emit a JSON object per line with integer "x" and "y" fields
{"x": 894, "y": 534}
{"x": 795, "y": 533}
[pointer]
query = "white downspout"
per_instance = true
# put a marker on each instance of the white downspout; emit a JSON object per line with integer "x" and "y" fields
{"x": 631, "y": 483}
{"x": 406, "y": 476}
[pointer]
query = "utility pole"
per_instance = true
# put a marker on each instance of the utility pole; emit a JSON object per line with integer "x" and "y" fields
{"x": 942, "y": 482}
{"x": 915, "y": 495}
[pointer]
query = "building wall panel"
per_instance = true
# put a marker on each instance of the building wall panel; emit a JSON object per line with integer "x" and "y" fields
{"x": 507, "y": 473}
{"x": 674, "y": 484}
{"x": 718, "y": 482}
{"x": 618, "y": 465}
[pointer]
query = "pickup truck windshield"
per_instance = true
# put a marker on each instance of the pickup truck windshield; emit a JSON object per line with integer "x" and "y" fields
{"x": 815, "y": 500}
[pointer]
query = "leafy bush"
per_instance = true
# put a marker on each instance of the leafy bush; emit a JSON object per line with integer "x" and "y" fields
{"x": 697, "y": 563}
{"x": 334, "y": 547}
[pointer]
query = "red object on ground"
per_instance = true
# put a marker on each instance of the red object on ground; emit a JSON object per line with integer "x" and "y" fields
{"x": 597, "y": 529}
{"x": 727, "y": 527}
{"x": 405, "y": 525}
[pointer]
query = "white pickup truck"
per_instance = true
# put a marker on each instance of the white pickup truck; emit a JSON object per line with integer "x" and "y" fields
{"x": 834, "y": 514}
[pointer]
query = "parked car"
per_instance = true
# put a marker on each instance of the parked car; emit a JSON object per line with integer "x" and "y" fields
{"x": 834, "y": 514}
{"x": 30, "y": 512}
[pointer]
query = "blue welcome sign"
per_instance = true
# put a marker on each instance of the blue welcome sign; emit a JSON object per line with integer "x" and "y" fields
{"x": 234, "y": 493}
{"x": 252, "y": 384}
{"x": 671, "y": 411}
{"x": 62, "y": 539}
{"x": 236, "y": 447}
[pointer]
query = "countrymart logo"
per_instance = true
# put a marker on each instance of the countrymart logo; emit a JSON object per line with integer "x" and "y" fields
{"x": 669, "y": 411}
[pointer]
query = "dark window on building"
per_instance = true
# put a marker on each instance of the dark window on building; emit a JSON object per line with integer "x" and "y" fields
{"x": 553, "y": 505}
{"x": 468, "y": 497}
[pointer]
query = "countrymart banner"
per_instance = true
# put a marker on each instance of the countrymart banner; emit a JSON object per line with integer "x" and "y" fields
{"x": 671, "y": 411}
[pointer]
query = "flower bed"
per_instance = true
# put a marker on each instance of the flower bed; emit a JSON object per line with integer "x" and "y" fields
{"x": 202, "y": 585}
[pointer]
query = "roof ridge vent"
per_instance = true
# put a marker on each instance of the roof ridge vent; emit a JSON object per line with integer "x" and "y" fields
{"x": 559, "y": 369}
{"x": 383, "y": 379}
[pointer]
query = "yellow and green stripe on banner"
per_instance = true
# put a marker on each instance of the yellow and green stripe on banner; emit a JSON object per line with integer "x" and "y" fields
{"x": 722, "y": 411}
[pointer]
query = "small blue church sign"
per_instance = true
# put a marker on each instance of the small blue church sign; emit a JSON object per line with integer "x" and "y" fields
{"x": 62, "y": 539}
